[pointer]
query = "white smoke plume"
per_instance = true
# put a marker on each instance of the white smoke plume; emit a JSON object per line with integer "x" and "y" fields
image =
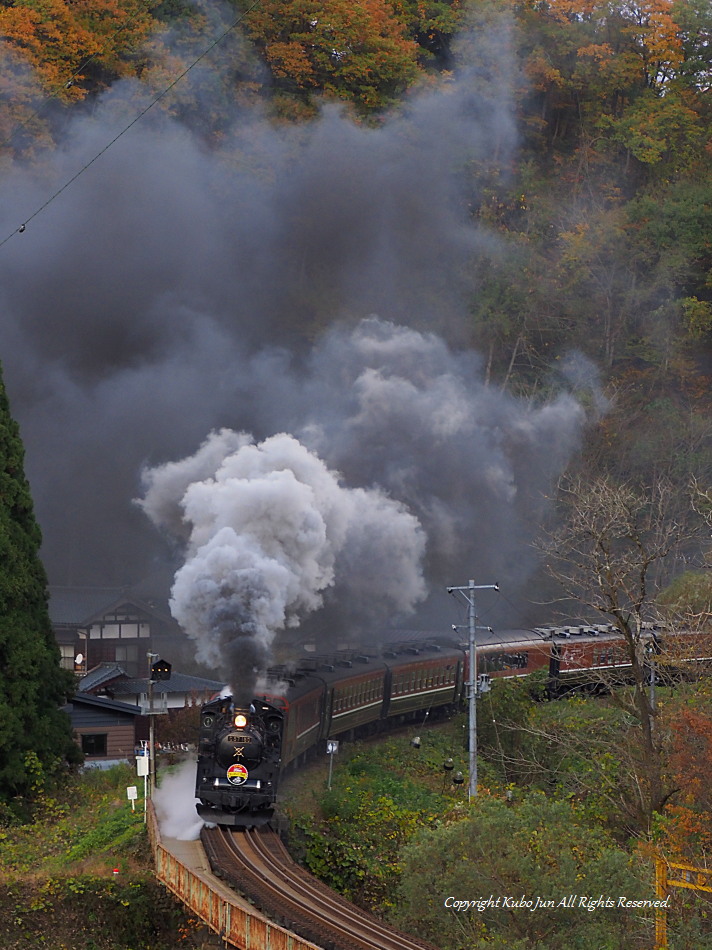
{"x": 268, "y": 527}
{"x": 175, "y": 800}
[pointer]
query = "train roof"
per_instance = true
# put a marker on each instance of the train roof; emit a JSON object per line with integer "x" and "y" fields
{"x": 527, "y": 638}
{"x": 312, "y": 670}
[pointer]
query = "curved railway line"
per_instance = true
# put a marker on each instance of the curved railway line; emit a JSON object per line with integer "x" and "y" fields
{"x": 256, "y": 863}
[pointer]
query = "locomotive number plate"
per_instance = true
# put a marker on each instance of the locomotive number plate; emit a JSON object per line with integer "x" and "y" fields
{"x": 241, "y": 740}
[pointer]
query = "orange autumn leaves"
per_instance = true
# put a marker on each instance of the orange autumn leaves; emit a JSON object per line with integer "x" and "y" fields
{"x": 72, "y": 44}
{"x": 357, "y": 50}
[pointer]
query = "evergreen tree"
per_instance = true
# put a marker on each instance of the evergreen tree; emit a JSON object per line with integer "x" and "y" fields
{"x": 35, "y": 735}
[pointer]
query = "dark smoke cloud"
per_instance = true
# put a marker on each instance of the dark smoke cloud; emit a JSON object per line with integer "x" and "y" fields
{"x": 176, "y": 289}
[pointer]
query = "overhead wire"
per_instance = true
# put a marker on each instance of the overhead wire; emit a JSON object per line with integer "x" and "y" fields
{"x": 21, "y": 228}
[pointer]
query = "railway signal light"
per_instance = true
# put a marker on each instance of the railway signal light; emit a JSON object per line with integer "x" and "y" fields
{"x": 160, "y": 670}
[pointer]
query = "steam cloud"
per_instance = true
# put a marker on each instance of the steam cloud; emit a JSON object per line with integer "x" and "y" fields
{"x": 174, "y": 800}
{"x": 177, "y": 289}
{"x": 274, "y": 536}
{"x": 268, "y": 524}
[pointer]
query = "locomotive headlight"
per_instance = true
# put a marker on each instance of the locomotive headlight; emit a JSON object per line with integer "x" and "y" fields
{"x": 240, "y": 721}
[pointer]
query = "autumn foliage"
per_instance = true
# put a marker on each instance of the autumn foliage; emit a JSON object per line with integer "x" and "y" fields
{"x": 686, "y": 829}
{"x": 356, "y": 51}
{"x": 74, "y": 46}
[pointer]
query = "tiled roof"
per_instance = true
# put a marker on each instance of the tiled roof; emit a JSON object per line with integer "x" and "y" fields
{"x": 103, "y": 673}
{"x": 77, "y": 604}
{"x": 89, "y": 699}
{"x": 178, "y": 683}
{"x": 81, "y": 605}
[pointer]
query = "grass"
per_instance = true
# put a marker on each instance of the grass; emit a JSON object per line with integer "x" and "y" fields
{"x": 88, "y": 828}
{"x": 80, "y": 876}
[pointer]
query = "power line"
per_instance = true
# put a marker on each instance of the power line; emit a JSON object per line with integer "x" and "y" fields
{"x": 141, "y": 114}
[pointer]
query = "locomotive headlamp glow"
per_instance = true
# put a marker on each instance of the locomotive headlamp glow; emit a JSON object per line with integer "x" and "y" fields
{"x": 240, "y": 721}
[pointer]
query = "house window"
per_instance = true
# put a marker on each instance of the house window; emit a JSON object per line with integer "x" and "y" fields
{"x": 94, "y": 743}
{"x": 126, "y": 654}
{"x": 67, "y": 652}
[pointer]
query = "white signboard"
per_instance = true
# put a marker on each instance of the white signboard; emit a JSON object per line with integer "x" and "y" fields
{"x": 332, "y": 746}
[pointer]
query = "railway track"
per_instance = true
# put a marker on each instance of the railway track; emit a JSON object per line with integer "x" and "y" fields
{"x": 256, "y": 863}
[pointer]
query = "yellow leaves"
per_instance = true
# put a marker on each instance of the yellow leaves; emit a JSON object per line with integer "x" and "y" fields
{"x": 57, "y": 37}
{"x": 597, "y": 51}
{"x": 290, "y": 60}
{"x": 636, "y": 43}
{"x": 353, "y": 50}
{"x": 571, "y": 9}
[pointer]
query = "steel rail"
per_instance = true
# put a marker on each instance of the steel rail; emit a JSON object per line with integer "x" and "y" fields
{"x": 257, "y": 864}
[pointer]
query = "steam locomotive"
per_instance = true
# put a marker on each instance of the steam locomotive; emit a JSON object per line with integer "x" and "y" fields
{"x": 239, "y": 752}
{"x": 244, "y": 749}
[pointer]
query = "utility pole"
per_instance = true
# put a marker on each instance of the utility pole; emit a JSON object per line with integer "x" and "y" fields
{"x": 151, "y": 730}
{"x": 468, "y": 595}
{"x": 160, "y": 670}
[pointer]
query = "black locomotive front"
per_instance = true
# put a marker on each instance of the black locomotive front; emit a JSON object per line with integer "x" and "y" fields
{"x": 239, "y": 756}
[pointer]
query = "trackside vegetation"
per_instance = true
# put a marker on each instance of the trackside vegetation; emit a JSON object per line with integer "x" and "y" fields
{"x": 79, "y": 875}
{"x": 36, "y": 744}
{"x": 395, "y": 835}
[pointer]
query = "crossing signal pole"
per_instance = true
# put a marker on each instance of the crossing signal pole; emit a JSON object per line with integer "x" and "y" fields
{"x": 160, "y": 670}
{"x": 468, "y": 595}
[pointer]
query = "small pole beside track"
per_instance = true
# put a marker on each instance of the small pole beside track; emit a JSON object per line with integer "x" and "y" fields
{"x": 468, "y": 594}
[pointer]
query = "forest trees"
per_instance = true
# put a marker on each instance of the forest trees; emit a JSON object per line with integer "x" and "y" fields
{"x": 536, "y": 848}
{"x": 72, "y": 47}
{"x": 35, "y": 735}
{"x": 610, "y": 555}
{"x": 357, "y": 51}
